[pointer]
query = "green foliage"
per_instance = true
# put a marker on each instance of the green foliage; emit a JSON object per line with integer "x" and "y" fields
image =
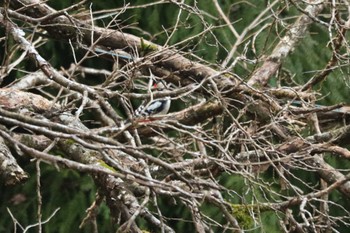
{"x": 270, "y": 223}
{"x": 173, "y": 210}
{"x": 243, "y": 216}
{"x": 334, "y": 89}
{"x": 247, "y": 215}
{"x": 246, "y": 209}
{"x": 70, "y": 191}
{"x": 305, "y": 65}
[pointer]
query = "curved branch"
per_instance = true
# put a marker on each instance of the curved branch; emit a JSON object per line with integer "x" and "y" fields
{"x": 286, "y": 45}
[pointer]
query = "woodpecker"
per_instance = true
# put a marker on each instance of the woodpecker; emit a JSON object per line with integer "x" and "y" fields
{"x": 155, "y": 107}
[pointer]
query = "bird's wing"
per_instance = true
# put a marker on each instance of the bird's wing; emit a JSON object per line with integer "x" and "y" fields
{"x": 153, "y": 106}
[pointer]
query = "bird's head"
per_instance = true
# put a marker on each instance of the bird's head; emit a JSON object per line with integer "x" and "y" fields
{"x": 159, "y": 85}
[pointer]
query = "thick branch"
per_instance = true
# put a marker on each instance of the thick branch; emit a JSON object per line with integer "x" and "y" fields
{"x": 10, "y": 171}
{"x": 287, "y": 44}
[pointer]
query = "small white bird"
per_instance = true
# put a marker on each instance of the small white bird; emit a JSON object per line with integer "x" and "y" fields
{"x": 155, "y": 107}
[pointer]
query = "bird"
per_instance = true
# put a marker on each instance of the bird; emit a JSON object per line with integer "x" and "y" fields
{"x": 155, "y": 107}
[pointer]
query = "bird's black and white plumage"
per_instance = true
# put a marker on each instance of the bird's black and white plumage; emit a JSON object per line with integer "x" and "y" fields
{"x": 155, "y": 107}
